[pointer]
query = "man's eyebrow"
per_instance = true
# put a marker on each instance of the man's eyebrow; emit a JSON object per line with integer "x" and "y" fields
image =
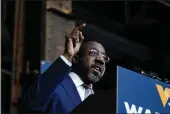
{"x": 93, "y": 48}
{"x": 104, "y": 53}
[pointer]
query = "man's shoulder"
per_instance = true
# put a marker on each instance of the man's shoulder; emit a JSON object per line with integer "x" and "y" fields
{"x": 66, "y": 80}
{"x": 64, "y": 85}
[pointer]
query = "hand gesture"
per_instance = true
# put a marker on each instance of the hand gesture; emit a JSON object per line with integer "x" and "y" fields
{"x": 73, "y": 42}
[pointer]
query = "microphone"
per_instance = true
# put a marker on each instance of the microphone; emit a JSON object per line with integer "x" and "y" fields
{"x": 154, "y": 76}
{"x": 166, "y": 81}
{"x": 139, "y": 70}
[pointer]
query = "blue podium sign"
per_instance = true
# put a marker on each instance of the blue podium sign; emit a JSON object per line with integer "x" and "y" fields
{"x": 140, "y": 94}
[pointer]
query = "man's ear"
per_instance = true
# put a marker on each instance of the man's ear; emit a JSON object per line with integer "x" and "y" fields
{"x": 76, "y": 59}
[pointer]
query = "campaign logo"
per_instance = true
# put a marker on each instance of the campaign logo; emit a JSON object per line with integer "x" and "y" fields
{"x": 164, "y": 94}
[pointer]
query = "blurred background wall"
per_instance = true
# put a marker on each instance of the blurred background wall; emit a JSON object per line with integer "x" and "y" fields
{"x": 135, "y": 34}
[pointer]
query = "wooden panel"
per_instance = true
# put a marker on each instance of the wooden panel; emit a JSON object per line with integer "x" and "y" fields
{"x": 18, "y": 45}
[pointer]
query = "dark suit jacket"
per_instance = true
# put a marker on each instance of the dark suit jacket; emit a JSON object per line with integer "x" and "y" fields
{"x": 102, "y": 102}
{"x": 54, "y": 92}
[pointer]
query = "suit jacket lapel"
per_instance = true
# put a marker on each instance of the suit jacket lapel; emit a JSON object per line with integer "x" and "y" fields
{"x": 71, "y": 90}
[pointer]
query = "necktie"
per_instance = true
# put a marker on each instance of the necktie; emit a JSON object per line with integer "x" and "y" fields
{"x": 88, "y": 90}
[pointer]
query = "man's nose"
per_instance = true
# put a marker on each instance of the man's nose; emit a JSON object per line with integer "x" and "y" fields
{"x": 99, "y": 59}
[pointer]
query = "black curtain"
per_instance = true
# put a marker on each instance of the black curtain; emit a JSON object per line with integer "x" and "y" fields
{"x": 7, "y": 20}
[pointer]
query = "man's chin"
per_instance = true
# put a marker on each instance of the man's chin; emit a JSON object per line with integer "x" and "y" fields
{"x": 93, "y": 78}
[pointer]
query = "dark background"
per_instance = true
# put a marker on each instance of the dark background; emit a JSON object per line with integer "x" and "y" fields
{"x": 134, "y": 34}
{"x": 143, "y": 23}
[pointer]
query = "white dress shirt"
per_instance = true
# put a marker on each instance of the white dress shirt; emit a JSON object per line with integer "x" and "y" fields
{"x": 76, "y": 80}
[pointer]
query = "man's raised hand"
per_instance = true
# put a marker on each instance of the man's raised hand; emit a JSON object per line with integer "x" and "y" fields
{"x": 73, "y": 42}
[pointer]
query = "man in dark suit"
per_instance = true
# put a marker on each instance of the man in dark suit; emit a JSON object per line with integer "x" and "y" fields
{"x": 68, "y": 81}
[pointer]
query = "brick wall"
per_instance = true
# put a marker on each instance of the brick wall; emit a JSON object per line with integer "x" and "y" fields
{"x": 56, "y": 29}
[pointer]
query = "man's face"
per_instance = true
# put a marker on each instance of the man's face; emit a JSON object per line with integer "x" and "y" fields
{"x": 93, "y": 61}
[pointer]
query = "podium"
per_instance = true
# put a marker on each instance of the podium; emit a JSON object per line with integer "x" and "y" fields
{"x": 140, "y": 94}
{"x": 135, "y": 93}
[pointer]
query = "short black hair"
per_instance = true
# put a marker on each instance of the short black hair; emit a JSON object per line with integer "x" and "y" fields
{"x": 82, "y": 48}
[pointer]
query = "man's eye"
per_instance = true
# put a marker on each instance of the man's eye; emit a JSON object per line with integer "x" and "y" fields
{"x": 93, "y": 52}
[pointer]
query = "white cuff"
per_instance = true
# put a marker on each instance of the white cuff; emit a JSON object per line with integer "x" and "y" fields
{"x": 65, "y": 60}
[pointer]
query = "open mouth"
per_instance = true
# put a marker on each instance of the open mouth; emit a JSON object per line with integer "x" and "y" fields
{"x": 96, "y": 69}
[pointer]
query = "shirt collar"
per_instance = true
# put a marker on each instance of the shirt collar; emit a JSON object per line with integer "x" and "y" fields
{"x": 77, "y": 80}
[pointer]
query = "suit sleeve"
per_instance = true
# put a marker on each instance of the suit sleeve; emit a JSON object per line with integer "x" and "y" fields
{"x": 40, "y": 93}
